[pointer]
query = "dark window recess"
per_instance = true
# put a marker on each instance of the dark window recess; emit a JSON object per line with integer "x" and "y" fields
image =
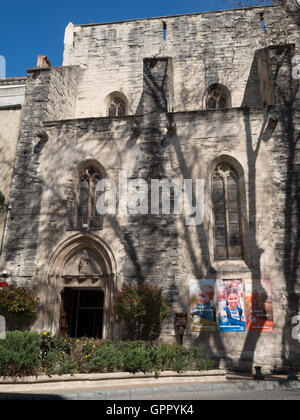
{"x": 81, "y": 313}
{"x": 117, "y": 108}
{"x": 227, "y": 215}
{"x": 218, "y": 97}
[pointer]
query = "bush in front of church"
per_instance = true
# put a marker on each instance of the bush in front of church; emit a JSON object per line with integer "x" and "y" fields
{"x": 18, "y": 300}
{"x": 20, "y": 354}
{"x": 141, "y": 308}
{"x": 25, "y": 353}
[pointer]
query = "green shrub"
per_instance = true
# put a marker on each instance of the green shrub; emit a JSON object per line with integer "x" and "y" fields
{"x": 142, "y": 308}
{"x": 107, "y": 358}
{"x": 67, "y": 367}
{"x": 161, "y": 356}
{"x": 167, "y": 357}
{"x": 62, "y": 355}
{"x": 137, "y": 357}
{"x": 177, "y": 358}
{"x": 51, "y": 363}
{"x": 29, "y": 353}
{"x": 20, "y": 354}
{"x": 180, "y": 360}
{"x": 18, "y": 300}
{"x": 53, "y": 343}
{"x": 57, "y": 363}
{"x": 198, "y": 361}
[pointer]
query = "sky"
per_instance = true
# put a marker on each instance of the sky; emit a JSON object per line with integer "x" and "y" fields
{"x": 29, "y": 29}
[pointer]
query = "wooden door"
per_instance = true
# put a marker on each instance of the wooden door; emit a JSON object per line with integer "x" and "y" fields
{"x": 65, "y": 312}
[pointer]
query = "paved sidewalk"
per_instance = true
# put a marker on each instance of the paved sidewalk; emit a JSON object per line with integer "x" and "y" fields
{"x": 167, "y": 391}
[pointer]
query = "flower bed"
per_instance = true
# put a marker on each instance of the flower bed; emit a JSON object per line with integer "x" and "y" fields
{"x": 30, "y": 353}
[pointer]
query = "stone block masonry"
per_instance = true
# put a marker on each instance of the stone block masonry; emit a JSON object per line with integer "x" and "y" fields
{"x": 164, "y": 68}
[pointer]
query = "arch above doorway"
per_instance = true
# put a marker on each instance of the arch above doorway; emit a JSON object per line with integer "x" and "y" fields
{"x": 81, "y": 269}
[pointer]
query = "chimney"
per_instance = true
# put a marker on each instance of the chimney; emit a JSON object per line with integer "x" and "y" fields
{"x": 43, "y": 61}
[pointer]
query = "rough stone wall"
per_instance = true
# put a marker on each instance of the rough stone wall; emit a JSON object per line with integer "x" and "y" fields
{"x": 20, "y": 243}
{"x": 286, "y": 187}
{"x": 12, "y": 94}
{"x": 49, "y": 94}
{"x": 163, "y": 250}
{"x": 133, "y": 58}
{"x": 206, "y": 48}
{"x": 62, "y": 93}
{"x": 9, "y": 130}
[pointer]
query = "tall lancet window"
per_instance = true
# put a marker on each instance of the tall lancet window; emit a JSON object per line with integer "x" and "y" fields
{"x": 227, "y": 213}
{"x": 87, "y": 202}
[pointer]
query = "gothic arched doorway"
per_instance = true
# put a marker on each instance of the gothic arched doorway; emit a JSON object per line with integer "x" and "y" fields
{"x": 80, "y": 289}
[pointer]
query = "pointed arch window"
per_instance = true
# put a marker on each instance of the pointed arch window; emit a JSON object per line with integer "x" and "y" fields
{"x": 218, "y": 97}
{"x": 117, "y": 108}
{"x": 87, "y": 214}
{"x": 117, "y": 105}
{"x": 227, "y": 213}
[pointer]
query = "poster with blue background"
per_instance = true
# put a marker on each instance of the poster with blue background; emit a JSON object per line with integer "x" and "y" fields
{"x": 231, "y": 308}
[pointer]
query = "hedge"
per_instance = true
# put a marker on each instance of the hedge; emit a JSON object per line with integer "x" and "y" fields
{"x": 30, "y": 353}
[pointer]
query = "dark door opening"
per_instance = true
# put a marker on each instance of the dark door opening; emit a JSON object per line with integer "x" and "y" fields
{"x": 81, "y": 313}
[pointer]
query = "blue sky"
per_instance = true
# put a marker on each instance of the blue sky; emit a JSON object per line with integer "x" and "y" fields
{"x": 28, "y": 29}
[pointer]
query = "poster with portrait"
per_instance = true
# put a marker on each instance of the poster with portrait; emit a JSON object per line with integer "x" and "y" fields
{"x": 202, "y": 305}
{"x": 231, "y": 308}
{"x": 259, "y": 306}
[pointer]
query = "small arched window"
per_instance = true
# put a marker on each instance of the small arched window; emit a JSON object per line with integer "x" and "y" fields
{"x": 87, "y": 214}
{"x": 116, "y": 105}
{"x": 218, "y": 97}
{"x": 227, "y": 213}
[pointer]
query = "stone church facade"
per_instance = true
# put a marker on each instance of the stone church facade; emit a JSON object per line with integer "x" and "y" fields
{"x": 208, "y": 96}
{"x": 12, "y": 95}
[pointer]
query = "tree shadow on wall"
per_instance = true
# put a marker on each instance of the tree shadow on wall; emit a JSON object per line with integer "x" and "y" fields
{"x": 286, "y": 139}
{"x": 201, "y": 267}
{"x": 152, "y": 160}
{"x": 287, "y": 98}
{"x": 286, "y": 108}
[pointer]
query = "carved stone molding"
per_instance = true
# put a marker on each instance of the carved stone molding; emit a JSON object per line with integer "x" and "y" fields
{"x": 94, "y": 278}
{"x": 84, "y": 262}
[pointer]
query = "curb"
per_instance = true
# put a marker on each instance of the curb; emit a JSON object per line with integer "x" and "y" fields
{"x": 159, "y": 392}
{"x": 95, "y": 377}
{"x": 69, "y": 383}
